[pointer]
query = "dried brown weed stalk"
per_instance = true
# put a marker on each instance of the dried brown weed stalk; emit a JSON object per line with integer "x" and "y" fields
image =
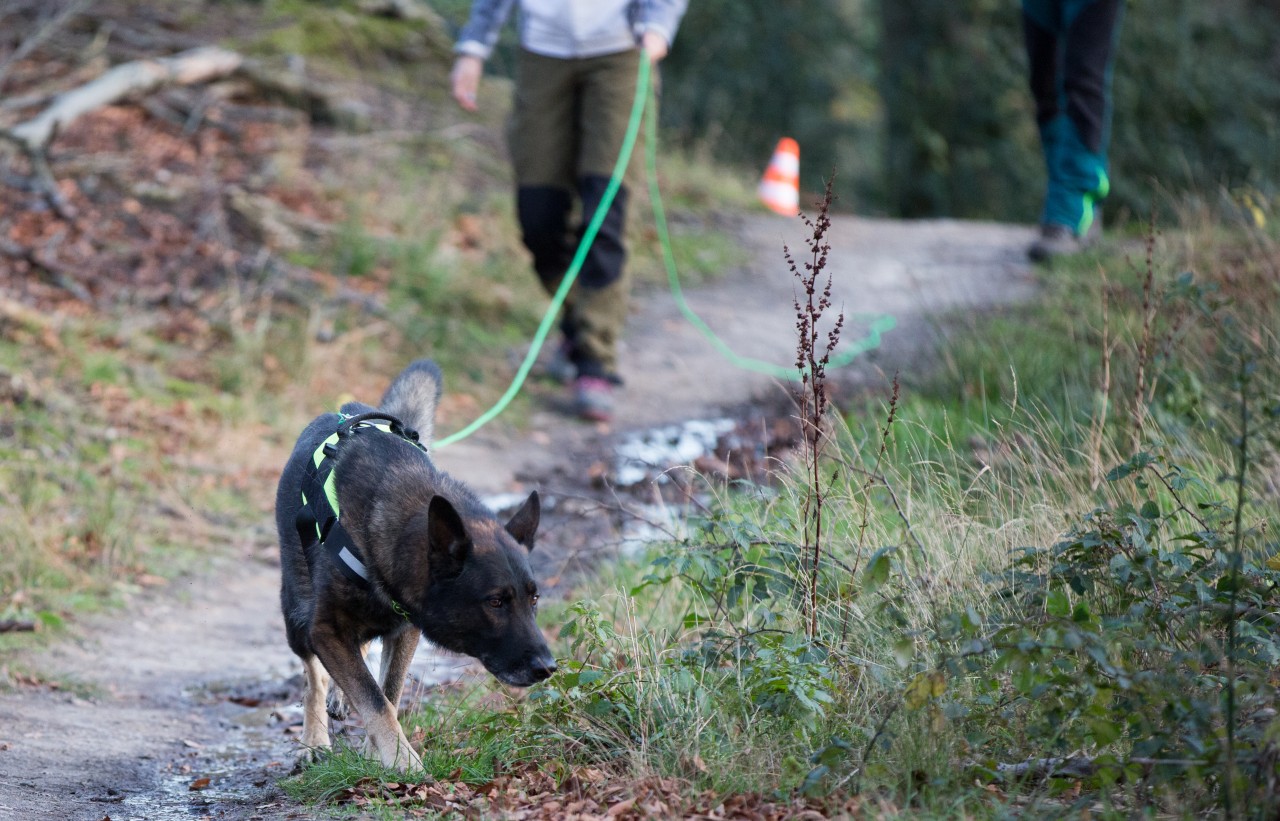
{"x": 812, "y": 355}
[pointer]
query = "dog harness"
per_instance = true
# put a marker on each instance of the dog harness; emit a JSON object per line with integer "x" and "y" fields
{"x": 318, "y": 520}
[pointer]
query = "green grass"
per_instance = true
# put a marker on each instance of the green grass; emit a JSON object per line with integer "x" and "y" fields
{"x": 470, "y": 742}
{"x": 406, "y": 55}
{"x": 462, "y": 737}
{"x": 339, "y": 769}
{"x": 79, "y": 476}
{"x": 70, "y": 685}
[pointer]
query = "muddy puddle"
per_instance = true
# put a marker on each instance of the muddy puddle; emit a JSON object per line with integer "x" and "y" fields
{"x": 650, "y": 454}
{"x": 236, "y": 776}
{"x": 670, "y": 469}
{"x": 749, "y": 449}
{"x": 649, "y": 483}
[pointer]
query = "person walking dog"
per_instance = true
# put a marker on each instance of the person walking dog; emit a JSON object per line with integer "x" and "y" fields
{"x": 1070, "y": 48}
{"x": 575, "y": 82}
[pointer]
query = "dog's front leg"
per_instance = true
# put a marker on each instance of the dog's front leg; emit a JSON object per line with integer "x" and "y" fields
{"x": 384, "y": 739}
{"x": 337, "y": 699}
{"x": 397, "y": 654}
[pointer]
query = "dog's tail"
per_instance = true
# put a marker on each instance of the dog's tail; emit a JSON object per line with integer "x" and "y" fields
{"x": 413, "y": 396}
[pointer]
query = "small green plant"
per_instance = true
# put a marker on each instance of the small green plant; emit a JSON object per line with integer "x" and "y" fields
{"x": 341, "y": 769}
{"x": 592, "y": 698}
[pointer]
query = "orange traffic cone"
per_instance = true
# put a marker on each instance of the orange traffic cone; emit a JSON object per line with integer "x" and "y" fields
{"x": 780, "y": 185}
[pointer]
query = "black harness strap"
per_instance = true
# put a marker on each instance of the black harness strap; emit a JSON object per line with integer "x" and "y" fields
{"x": 317, "y": 520}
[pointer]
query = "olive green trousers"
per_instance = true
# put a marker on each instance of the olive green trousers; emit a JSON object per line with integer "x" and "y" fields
{"x": 567, "y": 130}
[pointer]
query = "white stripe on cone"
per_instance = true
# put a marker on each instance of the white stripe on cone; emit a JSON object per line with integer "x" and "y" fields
{"x": 779, "y": 194}
{"x": 788, "y": 165}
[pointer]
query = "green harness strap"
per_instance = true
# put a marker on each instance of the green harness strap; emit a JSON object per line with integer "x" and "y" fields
{"x": 318, "y": 520}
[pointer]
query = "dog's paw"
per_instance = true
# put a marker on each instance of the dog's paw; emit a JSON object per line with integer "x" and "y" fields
{"x": 336, "y": 705}
{"x": 308, "y": 756}
{"x": 401, "y": 757}
{"x": 410, "y": 762}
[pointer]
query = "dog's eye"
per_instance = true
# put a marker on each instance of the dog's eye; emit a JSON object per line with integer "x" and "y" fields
{"x": 496, "y": 601}
{"x": 534, "y": 599}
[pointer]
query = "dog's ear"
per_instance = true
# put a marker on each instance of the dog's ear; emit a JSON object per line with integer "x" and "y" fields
{"x": 448, "y": 545}
{"x": 523, "y": 526}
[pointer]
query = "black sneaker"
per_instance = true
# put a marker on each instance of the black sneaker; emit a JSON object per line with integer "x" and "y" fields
{"x": 1060, "y": 241}
{"x": 1054, "y": 241}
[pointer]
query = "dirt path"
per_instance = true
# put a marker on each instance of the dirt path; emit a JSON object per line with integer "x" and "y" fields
{"x": 183, "y": 706}
{"x": 912, "y": 271}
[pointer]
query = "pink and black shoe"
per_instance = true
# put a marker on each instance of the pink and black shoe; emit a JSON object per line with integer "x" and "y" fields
{"x": 593, "y": 398}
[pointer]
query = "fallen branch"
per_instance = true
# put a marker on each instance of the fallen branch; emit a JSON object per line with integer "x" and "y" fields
{"x": 33, "y": 136}
{"x": 15, "y": 626}
{"x": 197, "y": 65}
{"x": 45, "y": 183}
{"x": 272, "y": 223}
{"x": 13, "y": 311}
{"x": 1078, "y": 766}
{"x": 24, "y": 101}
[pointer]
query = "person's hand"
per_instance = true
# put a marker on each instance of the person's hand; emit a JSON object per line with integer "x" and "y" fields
{"x": 465, "y": 80}
{"x": 655, "y": 44}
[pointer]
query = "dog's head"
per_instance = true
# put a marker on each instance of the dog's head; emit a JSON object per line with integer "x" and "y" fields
{"x": 481, "y": 598}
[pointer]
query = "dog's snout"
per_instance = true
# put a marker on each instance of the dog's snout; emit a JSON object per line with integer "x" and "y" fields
{"x": 542, "y": 668}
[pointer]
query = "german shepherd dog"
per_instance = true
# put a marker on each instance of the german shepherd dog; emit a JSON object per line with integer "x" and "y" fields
{"x": 434, "y": 560}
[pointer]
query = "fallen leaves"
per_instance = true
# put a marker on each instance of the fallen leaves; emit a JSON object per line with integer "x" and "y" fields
{"x": 586, "y": 794}
{"x": 158, "y": 206}
{"x": 123, "y": 244}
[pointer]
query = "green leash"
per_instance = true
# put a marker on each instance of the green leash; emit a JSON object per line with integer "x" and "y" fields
{"x": 871, "y": 341}
{"x": 645, "y": 98}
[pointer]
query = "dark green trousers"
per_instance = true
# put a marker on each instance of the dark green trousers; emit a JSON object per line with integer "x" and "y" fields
{"x": 567, "y": 129}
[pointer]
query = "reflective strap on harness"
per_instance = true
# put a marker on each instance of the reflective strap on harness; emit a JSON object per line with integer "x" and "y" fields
{"x": 349, "y": 559}
{"x": 338, "y": 545}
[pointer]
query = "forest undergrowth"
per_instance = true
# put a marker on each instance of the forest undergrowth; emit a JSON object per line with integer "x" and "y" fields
{"x": 1042, "y": 581}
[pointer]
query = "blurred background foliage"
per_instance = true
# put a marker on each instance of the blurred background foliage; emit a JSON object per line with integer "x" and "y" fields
{"x": 921, "y": 108}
